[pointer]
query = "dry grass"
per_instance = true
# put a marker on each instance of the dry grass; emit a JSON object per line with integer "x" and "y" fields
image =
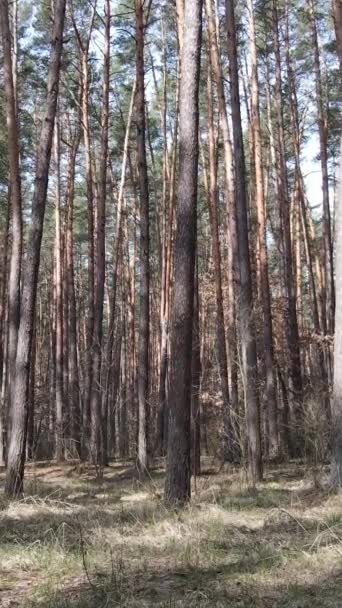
{"x": 74, "y": 542}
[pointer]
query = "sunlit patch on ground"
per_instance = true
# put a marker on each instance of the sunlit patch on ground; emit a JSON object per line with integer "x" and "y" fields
{"x": 78, "y": 542}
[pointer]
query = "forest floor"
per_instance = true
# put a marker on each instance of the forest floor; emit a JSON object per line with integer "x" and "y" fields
{"x": 77, "y": 542}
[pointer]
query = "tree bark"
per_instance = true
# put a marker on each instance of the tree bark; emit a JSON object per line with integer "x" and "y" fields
{"x": 31, "y": 400}
{"x": 91, "y": 257}
{"x": 73, "y": 372}
{"x": 196, "y": 373}
{"x": 144, "y": 313}
{"x": 336, "y": 464}
{"x": 337, "y": 15}
{"x": 327, "y": 259}
{"x": 59, "y": 306}
{"x": 292, "y": 332}
{"x": 164, "y": 288}
{"x": 264, "y": 287}
{"x": 247, "y": 331}
{"x": 119, "y": 245}
{"x": 166, "y": 301}
{"x": 14, "y": 193}
{"x": 233, "y": 271}
{"x": 19, "y": 405}
{"x": 214, "y": 223}
{"x": 4, "y": 341}
{"x": 84, "y": 68}
{"x": 178, "y": 473}
{"x": 97, "y": 453}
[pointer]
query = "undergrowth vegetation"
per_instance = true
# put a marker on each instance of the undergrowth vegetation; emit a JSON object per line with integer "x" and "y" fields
{"x": 74, "y": 542}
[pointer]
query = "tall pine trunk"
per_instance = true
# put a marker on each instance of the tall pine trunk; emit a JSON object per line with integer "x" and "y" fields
{"x": 336, "y": 466}
{"x": 9, "y": 64}
{"x": 264, "y": 287}
{"x": 292, "y": 332}
{"x": 233, "y": 271}
{"x": 91, "y": 258}
{"x": 196, "y": 373}
{"x": 337, "y": 15}
{"x": 247, "y": 330}
{"x": 19, "y": 403}
{"x": 73, "y": 372}
{"x": 328, "y": 295}
{"x": 178, "y": 472}
{"x": 60, "y": 406}
{"x": 144, "y": 313}
{"x": 214, "y": 224}
{"x": 97, "y": 445}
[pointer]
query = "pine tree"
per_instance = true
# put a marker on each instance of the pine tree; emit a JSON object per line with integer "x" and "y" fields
{"x": 178, "y": 473}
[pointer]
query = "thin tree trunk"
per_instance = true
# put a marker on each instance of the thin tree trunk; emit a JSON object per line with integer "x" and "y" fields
{"x": 284, "y": 211}
{"x": 91, "y": 260}
{"x": 97, "y": 453}
{"x": 337, "y": 15}
{"x": 164, "y": 321}
{"x": 19, "y": 405}
{"x": 247, "y": 331}
{"x": 118, "y": 245}
{"x": 4, "y": 341}
{"x": 31, "y": 397}
{"x": 65, "y": 340}
{"x": 144, "y": 314}
{"x": 130, "y": 330}
{"x": 84, "y": 67}
{"x": 14, "y": 192}
{"x": 214, "y": 223}
{"x": 327, "y": 260}
{"x": 336, "y": 465}
{"x": 233, "y": 272}
{"x": 164, "y": 349}
{"x": 196, "y": 386}
{"x": 73, "y": 375}
{"x": 59, "y": 307}
{"x": 178, "y": 473}
{"x": 264, "y": 288}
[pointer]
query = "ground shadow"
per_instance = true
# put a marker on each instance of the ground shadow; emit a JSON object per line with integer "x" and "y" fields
{"x": 190, "y": 588}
